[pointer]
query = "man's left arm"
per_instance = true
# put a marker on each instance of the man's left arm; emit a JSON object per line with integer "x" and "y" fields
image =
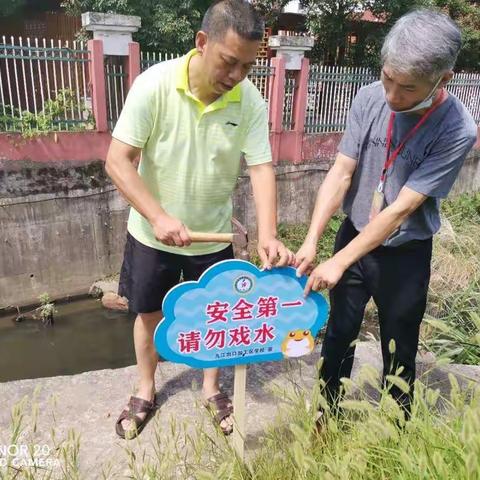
{"x": 258, "y": 157}
{"x": 270, "y": 249}
{"x": 328, "y": 273}
{"x": 433, "y": 178}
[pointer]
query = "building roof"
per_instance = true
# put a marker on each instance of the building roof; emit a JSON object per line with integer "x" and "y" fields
{"x": 368, "y": 16}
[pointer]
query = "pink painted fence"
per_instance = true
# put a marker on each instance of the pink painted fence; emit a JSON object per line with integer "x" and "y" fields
{"x": 302, "y": 103}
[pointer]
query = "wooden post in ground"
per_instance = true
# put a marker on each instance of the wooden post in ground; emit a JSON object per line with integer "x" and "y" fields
{"x": 239, "y": 388}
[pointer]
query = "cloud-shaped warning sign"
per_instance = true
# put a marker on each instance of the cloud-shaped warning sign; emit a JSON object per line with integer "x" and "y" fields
{"x": 237, "y": 314}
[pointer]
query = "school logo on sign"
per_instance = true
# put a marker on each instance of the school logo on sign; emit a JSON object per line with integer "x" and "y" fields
{"x": 243, "y": 284}
{"x": 237, "y": 314}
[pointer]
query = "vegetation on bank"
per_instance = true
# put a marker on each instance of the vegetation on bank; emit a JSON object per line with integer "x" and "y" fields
{"x": 370, "y": 440}
{"x": 452, "y": 323}
{"x": 47, "y": 121}
{"x": 170, "y": 26}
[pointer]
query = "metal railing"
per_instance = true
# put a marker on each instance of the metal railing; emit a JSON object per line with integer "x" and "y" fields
{"x": 290, "y": 82}
{"x": 147, "y": 59}
{"x": 466, "y": 87}
{"x": 260, "y": 76}
{"x": 44, "y": 85}
{"x": 116, "y": 88}
{"x": 331, "y": 91}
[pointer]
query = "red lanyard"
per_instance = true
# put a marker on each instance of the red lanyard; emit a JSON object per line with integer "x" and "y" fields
{"x": 390, "y": 159}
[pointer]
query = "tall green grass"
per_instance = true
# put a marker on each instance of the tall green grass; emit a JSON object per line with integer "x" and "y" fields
{"x": 451, "y": 328}
{"x": 370, "y": 440}
{"x": 452, "y": 322}
{"x": 60, "y": 461}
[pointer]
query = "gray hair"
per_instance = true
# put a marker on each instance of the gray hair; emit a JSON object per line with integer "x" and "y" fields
{"x": 423, "y": 43}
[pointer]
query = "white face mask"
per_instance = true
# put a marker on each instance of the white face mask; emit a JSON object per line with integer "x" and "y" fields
{"x": 427, "y": 103}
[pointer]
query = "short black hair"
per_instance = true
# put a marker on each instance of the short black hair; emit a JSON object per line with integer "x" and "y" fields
{"x": 238, "y": 15}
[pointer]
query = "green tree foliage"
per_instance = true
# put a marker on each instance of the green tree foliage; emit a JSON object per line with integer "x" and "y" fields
{"x": 270, "y": 9}
{"x": 167, "y": 25}
{"x": 170, "y": 25}
{"x": 331, "y": 21}
{"x": 467, "y": 16}
{"x": 9, "y": 7}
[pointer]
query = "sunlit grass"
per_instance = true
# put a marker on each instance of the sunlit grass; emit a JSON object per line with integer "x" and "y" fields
{"x": 370, "y": 439}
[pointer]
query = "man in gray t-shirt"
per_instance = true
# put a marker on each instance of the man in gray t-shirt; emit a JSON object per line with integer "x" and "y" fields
{"x": 405, "y": 142}
{"x": 428, "y": 163}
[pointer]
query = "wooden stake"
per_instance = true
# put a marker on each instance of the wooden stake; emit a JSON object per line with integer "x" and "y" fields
{"x": 240, "y": 383}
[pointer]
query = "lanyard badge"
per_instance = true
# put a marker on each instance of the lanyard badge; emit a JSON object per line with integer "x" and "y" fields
{"x": 378, "y": 200}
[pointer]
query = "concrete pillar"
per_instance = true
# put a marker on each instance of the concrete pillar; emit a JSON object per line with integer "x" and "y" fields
{"x": 291, "y": 49}
{"x": 133, "y": 62}
{"x": 97, "y": 80}
{"x": 300, "y": 107}
{"x": 276, "y": 101}
{"x": 112, "y": 35}
{"x": 114, "y": 30}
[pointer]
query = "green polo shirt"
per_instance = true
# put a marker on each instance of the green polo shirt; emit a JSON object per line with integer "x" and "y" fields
{"x": 191, "y": 152}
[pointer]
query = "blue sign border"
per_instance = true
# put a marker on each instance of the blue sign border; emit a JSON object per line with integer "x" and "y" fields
{"x": 160, "y": 338}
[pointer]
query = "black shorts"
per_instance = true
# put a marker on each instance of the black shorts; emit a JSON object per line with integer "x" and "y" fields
{"x": 147, "y": 274}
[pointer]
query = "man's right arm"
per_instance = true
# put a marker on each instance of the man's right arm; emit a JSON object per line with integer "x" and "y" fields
{"x": 329, "y": 199}
{"x": 120, "y": 166}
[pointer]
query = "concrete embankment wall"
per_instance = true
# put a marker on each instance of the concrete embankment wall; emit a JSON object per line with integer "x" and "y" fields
{"x": 63, "y": 224}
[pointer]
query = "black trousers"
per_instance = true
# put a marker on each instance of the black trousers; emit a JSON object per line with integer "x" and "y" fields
{"x": 397, "y": 278}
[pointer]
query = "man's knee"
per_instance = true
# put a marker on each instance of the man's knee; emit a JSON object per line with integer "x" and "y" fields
{"x": 341, "y": 331}
{"x": 149, "y": 319}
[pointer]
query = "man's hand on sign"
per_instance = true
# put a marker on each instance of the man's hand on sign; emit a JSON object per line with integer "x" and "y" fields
{"x": 325, "y": 275}
{"x": 171, "y": 231}
{"x": 273, "y": 252}
{"x": 304, "y": 258}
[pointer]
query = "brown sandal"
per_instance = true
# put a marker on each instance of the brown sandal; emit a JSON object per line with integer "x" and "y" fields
{"x": 136, "y": 406}
{"x": 220, "y": 406}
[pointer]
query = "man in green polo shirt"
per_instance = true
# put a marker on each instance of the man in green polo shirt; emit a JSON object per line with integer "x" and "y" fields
{"x": 190, "y": 120}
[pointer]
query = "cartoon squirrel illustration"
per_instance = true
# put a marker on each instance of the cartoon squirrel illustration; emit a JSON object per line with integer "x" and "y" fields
{"x": 298, "y": 343}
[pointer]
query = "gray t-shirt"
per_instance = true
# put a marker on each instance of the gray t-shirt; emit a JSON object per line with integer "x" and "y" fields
{"x": 428, "y": 163}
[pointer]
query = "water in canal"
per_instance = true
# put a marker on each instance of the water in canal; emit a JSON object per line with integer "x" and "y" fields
{"x": 85, "y": 337}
